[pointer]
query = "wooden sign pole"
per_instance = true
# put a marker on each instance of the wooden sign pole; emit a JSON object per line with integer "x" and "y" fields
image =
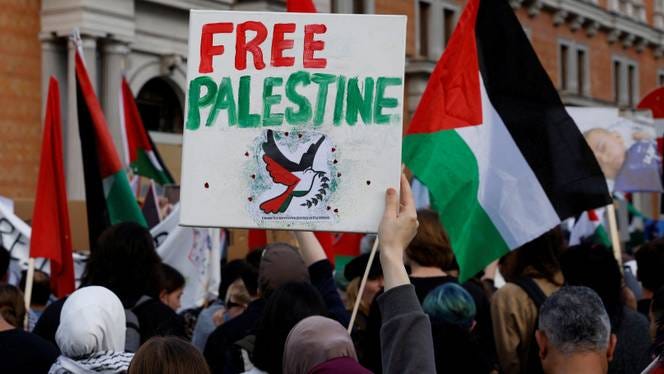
{"x": 356, "y": 307}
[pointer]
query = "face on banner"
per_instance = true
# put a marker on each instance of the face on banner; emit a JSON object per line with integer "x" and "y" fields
{"x": 294, "y": 121}
{"x": 609, "y": 136}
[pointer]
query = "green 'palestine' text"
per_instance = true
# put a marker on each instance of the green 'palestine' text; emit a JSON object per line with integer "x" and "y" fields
{"x": 354, "y": 99}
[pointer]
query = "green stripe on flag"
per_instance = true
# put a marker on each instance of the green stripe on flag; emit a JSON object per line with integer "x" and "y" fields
{"x": 120, "y": 200}
{"x": 447, "y": 166}
{"x": 144, "y": 166}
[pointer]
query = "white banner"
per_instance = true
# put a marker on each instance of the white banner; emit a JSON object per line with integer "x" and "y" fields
{"x": 294, "y": 121}
{"x": 195, "y": 253}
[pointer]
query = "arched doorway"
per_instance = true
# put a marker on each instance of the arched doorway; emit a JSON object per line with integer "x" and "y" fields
{"x": 159, "y": 106}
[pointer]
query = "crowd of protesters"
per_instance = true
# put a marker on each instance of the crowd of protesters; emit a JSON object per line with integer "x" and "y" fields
{"x": 281, "y": 310}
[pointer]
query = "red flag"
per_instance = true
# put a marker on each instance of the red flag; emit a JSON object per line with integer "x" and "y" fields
{"x": 300, "y": 6}
{"x": 257, "y": 239}
{"x": 51, "y": 234}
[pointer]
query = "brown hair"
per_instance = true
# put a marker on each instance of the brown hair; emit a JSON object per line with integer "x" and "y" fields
{"x": 431, "y": 246}
{"x": 168, "y": 355}
{"x": 12, "y": 307}
{"x": 539, "y": 258}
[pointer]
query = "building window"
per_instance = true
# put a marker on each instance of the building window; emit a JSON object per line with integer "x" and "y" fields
{"x": 160, "y": 107}
{"x": 625, "y": 82}
{"x": 358, "y": 7}
{"x": 449, "y": 24}
{"x": 425, "y": 13}
{"x": 631, "y": 85}
{"x": 581, "y": 68}
{"x": 574, "y": 68}
{"x": 564, "y": 67}
{"x": 616, "y": 81}
{"x": 631, "y": 8}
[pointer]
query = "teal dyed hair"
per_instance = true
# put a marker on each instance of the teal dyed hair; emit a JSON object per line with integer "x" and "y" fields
{"x": 450, "y": 303}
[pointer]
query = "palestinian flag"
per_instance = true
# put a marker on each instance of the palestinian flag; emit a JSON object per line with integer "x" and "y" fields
{"x": 589, "y": 226}
{"x": 51, "y": 233}
{"x": 502, "y": 159}
{"x": 108, "y": 195}
{"x": 142, "y": 155}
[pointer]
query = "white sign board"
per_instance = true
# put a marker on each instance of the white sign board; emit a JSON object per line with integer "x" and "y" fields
{"x": 293, "y": 121}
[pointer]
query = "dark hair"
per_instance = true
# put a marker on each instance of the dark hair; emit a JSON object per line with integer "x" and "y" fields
{"x": 168, "y": 355}
{"x": 41, "y": 287}
{"x": 250, "y": 279}
{"x": 539, "y": 258}
{"x": 253, "y": 258}
{"x": 650, "y": 262}
{"x": 12, "y": 306}
{"x": 125, "y": 261}
{"x": 287, "y": 305}
{"x": 595, "y": 267}
{"x": 5, "y": 258}
{"x": 171, "y": 279}
{"x": 431, "y": 246}
{"x": 230, "y": 272}
{"x": 657, "y": 309}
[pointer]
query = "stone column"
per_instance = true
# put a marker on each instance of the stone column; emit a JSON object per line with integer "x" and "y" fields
{"x": 436, "y": 33}
{"x": 89, "y": 45}
{"x": 72, "y": 142}
{"x": 54, "y": 63}
{"x": 114, "y": 61}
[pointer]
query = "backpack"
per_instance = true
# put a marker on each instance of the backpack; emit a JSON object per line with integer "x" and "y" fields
{"x": 133, "y": 334}
{"x": 533, "y": 365}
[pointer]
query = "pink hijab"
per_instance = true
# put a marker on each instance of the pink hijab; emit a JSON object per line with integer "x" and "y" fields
{"x": 320, "y": 345}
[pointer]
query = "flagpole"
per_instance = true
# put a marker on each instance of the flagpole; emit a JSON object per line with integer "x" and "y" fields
{"x": 356, "y": 307}
{"x": 28, "y": 290}
{"x": 615, "y": 238}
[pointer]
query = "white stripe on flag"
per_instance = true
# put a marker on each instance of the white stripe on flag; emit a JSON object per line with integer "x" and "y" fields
{"x": 509, "y": 191}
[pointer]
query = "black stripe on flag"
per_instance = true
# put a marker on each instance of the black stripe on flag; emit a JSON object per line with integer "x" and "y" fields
{"x": 95, "y": 200}
{"x": 528, "y": 103}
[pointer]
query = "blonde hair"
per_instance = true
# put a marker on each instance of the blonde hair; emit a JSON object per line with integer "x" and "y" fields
{"x": 352, "y": 290}
{"x": 238, "y": 293}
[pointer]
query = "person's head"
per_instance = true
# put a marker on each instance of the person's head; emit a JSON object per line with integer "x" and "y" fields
{"x": 172, "y": 285}
{"x": 237, "y": 299}
{"x": 538, "y": 258}
{"x": 320, "y": 345}
{"x": 431, "y": 246}
{"x": 41, "y": 287}
{"x": 5, "y": 259}
{"x": 253, "y": 258}
{"x": 287, "y": 306}
{"x": 595, "y": 267}
{"x": 12, "y": 306}
{"x": 649, "y": 264}
{"x": 168, "y": 355}
{"x": 657, "y": 323}
{"x": 125, "y": 261}
{"x": 230, "y": 272}
{"x": 281, "y": 263}
{"x": 452, "y": 305}
{"x": 353, "y": 272}
{"x": 609, "y": 149}
{"x": 92, "y": 320}
{"x": 572, "y": 324}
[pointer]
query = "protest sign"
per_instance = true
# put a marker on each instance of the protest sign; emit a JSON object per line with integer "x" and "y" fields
{"x": 293, "y": 121}
{"x": 195, "y": 252}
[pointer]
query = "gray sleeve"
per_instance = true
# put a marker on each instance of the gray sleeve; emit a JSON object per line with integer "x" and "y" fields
{"x": 405, "y": 335}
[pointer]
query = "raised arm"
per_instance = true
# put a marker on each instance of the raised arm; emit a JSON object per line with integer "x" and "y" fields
{"x": 320, "y": 271}
{"x": 310, "y": 247}
{"x": 405, "y": 335}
